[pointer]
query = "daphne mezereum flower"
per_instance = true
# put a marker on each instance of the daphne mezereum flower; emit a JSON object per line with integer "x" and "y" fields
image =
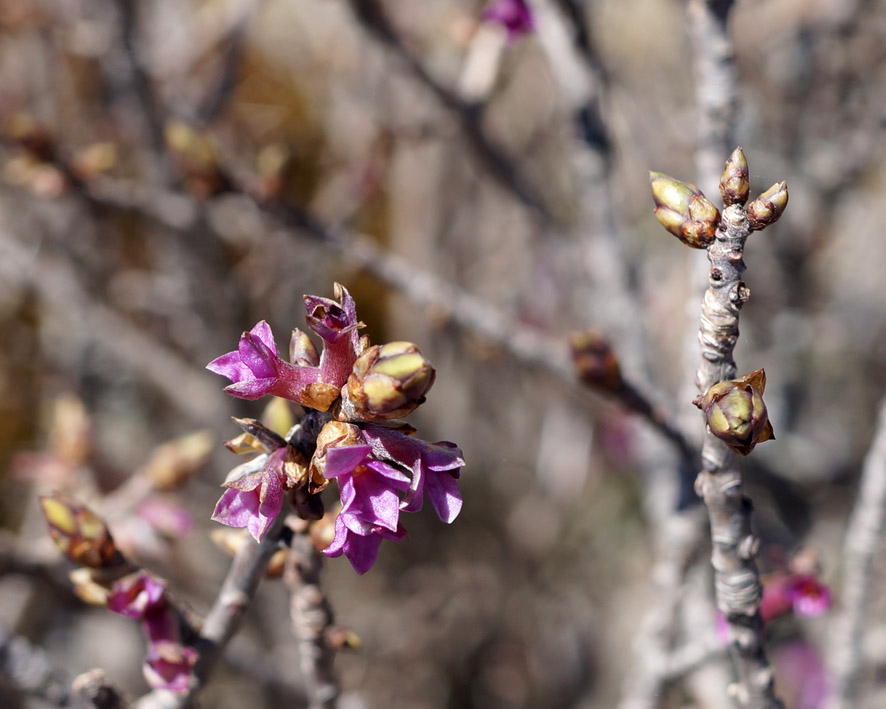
{"x": 804, "y": 594}
{"x": 254, "y": 500}
{"x": 335, "y": 321}
{"x": 368, "y": 486}
{"x": 514, "y": 15}
{"x": 256, "y": 369}
{"x": 435, "y": 468}
{"x": 137, "y": 595}
{"x": 359, "y": 541}
{"x": 168, "y": 665}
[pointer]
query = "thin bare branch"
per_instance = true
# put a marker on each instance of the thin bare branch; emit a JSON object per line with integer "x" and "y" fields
{"x": 736, "y": 578}
{"x": 372, "y": 16}
{"x": 863, "y": 541}
{"x": 311, "y": 619}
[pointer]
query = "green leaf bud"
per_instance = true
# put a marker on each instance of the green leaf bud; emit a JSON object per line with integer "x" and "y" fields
{"x": 684, "y": 211}
{"x": 734, "y": 183}
{"x": 78, "y": 532}
{"x": 388, "y": 381}
{"x": 768, "y": 207}
{"x": 735, "y": 412}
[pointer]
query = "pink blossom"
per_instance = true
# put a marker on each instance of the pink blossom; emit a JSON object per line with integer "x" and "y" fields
{"x": 254, "y": 500}
{"x": 168, "y": 666}
{"x": 514, "y": 15}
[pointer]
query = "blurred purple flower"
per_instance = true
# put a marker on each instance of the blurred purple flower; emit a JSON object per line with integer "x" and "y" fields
{"x": 254, "y": 500}
{"x": 359, "y": 541}
{"x": 255, "y": 368}
{"x": 801, "y": 675}
{"x": 136, "y": 595}
{"x": 169, "y": 518}
{"x": 168, "y": 665}
{"x": 803, "y": 594}
{"x": 514, "y": 15}
{"x": 808, "y": 595}
{"x": 435, "y": 468}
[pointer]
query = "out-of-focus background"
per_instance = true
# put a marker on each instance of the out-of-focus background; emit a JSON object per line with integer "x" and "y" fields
{"x": 168, "y": 170}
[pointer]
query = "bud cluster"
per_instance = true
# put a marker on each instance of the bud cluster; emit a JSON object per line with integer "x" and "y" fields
{"x": 354, "y": 393}
{"x": 684, "y": 211}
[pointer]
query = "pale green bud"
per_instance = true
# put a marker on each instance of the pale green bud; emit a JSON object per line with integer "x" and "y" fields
{"x": 768, "y": 207}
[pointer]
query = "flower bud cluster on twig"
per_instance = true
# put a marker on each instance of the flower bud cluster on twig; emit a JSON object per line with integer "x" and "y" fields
{"x": 354, "y": 394}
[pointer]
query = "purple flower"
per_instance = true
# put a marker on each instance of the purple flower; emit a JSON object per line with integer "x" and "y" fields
{"x": 254, "y": 500}
{"x": 359, "y": 541}
{"x": 168, "y": 665}
{"x": 808, "y": 595}
{"x": 435, "y": 468}
{"x": 255, "y": 368}
{"x": 514, "y": 15}
{"x": 136, "y": 595}
{"x": 368, "y": 486}
{"x": 168, "y": 518}
{"x": 802, "y": 676}
{"x": 335, "y": 321}
{"x": 803, "y": 594}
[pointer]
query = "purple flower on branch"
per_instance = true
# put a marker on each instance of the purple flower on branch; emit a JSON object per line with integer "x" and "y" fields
{"x": 335, "y": 321}
{"x": 359, "y": 541}
{"x": 137, "y": 595}
{"x": 256, "y": 369}
{"x": 435, "y": 468}
{"x": 368, "y": 486}
{"x": 254, "y": 500}
{"x": 803, "y": 594}
{"x": 168, "y": 665}
{"x": 514, "y": 15}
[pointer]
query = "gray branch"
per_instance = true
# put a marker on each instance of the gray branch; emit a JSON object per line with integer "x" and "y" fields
{"x": 863, "y": 541}
{"x": 311, "y": 619}
{"x": 736, "y": 579}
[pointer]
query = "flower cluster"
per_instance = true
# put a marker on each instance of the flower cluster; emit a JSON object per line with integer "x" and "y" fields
{"x": 169, "y": 662}
{"x": 354, "y": 394}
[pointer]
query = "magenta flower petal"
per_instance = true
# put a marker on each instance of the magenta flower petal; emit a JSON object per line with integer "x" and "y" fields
{"x": 236, "y": 508}
{"x": 368, "y": 487}
{"x": 439, "y": 461}
{"x": 335, "y": 322}
{"x": 137, "y": 594}
{"x": 359, "y": 541}
{"x": 255, "y": 369}
{"x": 360, "y": 550}
{"x": 444, "y": 496}
{"x": 255, "y": 500}
{"x": 159, "y": 625}
{"x": 343, "y": 460}
{"x": 262, "y": 331}
{"x": 514, "y": 15}
{"x": 168, "y": 666}
{"x": 257, "y": 356}
{"x": 808, "y": 595}
{"x": 229, "y": 365}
